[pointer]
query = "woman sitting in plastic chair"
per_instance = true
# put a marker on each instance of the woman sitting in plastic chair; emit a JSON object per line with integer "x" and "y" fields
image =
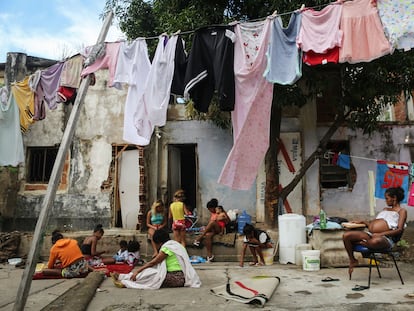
{"x": 383, "y": 232}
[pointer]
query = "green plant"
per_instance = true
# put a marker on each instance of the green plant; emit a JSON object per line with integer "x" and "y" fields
{"x": 403, "y": 244}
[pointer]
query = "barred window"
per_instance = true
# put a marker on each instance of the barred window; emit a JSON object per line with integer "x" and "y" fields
{"x": 40, "y": 163}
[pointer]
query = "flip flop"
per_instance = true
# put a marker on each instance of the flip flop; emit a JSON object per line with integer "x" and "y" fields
{"x": 360, "y": 287}
{"x": 253, "y": 263}
{"x": 329, "y": 279}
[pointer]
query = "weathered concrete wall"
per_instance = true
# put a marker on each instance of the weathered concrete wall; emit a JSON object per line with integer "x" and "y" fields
{"x": 355, "y": 204}
{"x": 213, "y": 146}
{"x": 82, "y": 204}
{"x": 365, "y": 151}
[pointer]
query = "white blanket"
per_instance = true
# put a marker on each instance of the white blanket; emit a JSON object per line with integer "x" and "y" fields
{"x": 152, "y": 278}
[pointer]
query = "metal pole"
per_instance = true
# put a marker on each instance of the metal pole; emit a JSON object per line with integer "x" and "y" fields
{"x": 55, "y": 176}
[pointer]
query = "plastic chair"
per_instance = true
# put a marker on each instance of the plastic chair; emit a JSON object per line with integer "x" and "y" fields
{"x": 370, "y": 253}
{"x": 191, "y": 221}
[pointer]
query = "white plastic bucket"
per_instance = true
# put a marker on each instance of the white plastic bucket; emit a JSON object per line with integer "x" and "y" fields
{"x": 311, "y": 260}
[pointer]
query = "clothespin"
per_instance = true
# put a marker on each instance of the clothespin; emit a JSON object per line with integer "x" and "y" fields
{"x": 302, "y": 7}
{"x": 177, "y": 32}
{"x": 274, "y": 14}
{"x": 233, "y": 23}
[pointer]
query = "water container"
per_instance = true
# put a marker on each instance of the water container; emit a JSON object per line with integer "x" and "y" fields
{"x": 243, "y": 219}
{"x": 292, "y": 231}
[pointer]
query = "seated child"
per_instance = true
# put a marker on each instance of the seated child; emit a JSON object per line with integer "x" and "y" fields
{"x": 256, "y": 240}
{"x": 222, "y": 218}
{"x": 122, "y": 254}
{"x": 134, "y": 258}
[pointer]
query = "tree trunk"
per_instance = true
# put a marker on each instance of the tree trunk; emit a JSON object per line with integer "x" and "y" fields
{"x": 271, "y": 166}
{"x": 311, "y": 159}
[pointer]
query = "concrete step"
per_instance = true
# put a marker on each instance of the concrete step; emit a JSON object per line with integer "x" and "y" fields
{"x": 227, "y": 247}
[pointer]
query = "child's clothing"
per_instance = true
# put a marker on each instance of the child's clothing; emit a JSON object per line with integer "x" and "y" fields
{"x": 134, "y": 259}
{"x": 178, "y": 215}
{"x": 260, "y": 235}
{"x": 121, "y": 255}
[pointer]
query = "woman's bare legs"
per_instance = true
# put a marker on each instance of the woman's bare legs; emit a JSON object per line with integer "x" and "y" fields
{"x": 212, "y": 226}
{"x": 182, "y": 237}
{"x": 350, "y": 238}
{"x": 154, "y": 247}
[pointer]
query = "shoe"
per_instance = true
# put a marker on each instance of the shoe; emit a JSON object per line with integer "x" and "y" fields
{"x": 196, "y": 243}
{"x": 210, "y": 259}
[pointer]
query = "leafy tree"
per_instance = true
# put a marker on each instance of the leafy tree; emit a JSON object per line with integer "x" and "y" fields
{"x": 362, "y": 89}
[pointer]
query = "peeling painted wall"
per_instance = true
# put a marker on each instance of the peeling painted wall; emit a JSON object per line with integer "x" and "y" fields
{"x": 82, "y": 204}
{"x": 365, "y": 151}
{"x": 213, "y": 146}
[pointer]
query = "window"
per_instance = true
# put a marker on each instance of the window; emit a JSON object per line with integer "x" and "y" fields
{"x": 40, "y": 163}
{"x": 331, "y": 174}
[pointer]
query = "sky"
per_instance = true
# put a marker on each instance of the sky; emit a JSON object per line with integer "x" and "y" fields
{"x": 52, "y": 29}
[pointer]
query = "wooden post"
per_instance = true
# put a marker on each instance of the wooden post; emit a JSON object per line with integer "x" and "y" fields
{"x": 55, "y": 177}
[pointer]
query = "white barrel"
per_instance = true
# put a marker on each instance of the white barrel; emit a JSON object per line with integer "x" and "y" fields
{"x": 292, "y": 231}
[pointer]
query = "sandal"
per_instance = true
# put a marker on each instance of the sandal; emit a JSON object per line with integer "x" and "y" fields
{"x": 210, "y": 259}
{"x": 360, "y": 287}
{"x": 119, "y": 284}
{"x": 253, "y": 263}
{"x": 329, "y": 279}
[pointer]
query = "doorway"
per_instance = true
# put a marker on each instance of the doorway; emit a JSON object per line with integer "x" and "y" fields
{"x": 182, "y": 172}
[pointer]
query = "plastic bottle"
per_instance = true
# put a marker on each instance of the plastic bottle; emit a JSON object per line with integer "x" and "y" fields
{"x": 322, "y": 219}
{"x": 243, "y": 219}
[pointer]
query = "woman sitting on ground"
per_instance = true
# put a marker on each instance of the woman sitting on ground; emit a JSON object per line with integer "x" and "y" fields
{"x": 256, "y": 240}
{"x": 65, "y": 258}
{"x": 383, "y": 232}
{"x": 89, "y": 249}
{"x": 170, "y": 268}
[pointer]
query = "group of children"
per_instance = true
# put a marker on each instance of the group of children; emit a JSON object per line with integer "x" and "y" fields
{"x": 74, "y": 260}
{"x": 254, "y": 239}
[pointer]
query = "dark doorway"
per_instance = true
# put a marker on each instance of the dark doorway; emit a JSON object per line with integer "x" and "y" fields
{"x": 182, "y": 172}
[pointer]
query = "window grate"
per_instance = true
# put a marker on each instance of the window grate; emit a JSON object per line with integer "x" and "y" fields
{"x": 41, "y": 161}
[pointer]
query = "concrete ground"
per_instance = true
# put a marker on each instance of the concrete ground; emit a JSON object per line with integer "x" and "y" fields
{"x": 298, "y": 290}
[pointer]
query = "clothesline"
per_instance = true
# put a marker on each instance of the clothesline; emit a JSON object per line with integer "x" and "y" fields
{"x": 258, "y": 19}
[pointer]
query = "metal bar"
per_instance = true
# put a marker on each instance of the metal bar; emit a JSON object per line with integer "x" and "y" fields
{"x": 55, "y": 177}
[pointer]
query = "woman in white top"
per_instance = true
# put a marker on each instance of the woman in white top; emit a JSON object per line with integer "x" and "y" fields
{"x": 383, "y": 232}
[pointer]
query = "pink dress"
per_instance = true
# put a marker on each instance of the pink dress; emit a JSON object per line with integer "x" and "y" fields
{"x": 363, "y": 35}
{"x": 253, "y": 101}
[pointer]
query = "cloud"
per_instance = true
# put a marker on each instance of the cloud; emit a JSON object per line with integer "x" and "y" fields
{"x": 62, "y": 34}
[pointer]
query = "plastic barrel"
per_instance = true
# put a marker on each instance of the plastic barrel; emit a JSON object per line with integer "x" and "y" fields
{"x": 292, "y": 231}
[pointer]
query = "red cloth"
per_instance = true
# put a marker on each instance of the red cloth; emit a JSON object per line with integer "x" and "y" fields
{"x": 120, "y": 268}
{"x": 312, "y": 59}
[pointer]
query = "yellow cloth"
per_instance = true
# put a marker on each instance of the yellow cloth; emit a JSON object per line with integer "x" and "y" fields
{"x": 177, "y": 210}
{"x": 24, "y": 98}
